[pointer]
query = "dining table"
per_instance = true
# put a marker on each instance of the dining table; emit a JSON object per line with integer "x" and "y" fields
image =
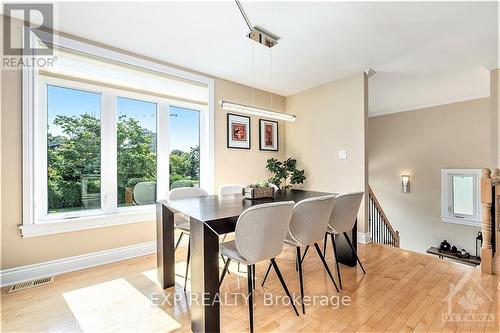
{"x": 210, "y": 217}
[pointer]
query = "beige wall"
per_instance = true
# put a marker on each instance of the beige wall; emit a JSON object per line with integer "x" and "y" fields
{"x": 330, "y": 118}
{"x": 231, "y": 165}
{"x": 242, "y": 166}
{"x": 421, "y": 143}
{"x": 495, "y": 114}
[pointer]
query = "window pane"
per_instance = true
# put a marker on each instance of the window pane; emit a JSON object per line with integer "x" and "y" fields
{"x": 184, "y": 147}
{"x": 74, "y": 149}
{"x": 136, "y": 136}
{"x": 463, "y": 195}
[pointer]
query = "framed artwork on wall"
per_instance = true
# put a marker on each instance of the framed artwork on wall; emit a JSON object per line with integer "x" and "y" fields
{"x": 238, "y": 131}
{"x": 268, "y": 135}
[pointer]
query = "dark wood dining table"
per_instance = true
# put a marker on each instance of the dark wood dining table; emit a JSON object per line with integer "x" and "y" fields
{"x": 212, "y": 216}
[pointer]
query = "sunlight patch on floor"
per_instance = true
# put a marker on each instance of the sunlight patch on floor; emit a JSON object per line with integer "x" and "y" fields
{"x": 152, "y": 275}
{"x": 117, "y": 306}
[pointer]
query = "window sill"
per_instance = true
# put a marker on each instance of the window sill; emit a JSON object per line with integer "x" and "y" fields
{"x": 86, "y": 223}
{"x": 454, "y": 220}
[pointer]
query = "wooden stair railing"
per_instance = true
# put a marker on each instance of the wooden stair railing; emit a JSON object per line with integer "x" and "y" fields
{"x": 381, "y": 230}
{"x": 490, "y": 203}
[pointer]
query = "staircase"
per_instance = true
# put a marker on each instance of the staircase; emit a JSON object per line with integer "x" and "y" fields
{"x": 490, "y": 203}
{"x": 381, "y": 230}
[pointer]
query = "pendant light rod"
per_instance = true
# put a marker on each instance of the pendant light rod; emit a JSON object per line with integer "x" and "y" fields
{"x": 245, "y": 17}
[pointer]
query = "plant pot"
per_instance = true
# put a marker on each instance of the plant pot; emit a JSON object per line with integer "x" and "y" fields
{"x": 258, "y": 193}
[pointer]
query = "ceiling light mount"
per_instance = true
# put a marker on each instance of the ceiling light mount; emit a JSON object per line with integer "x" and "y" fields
{"x": 258, "y": 34}
{"x": 369, "y": 72}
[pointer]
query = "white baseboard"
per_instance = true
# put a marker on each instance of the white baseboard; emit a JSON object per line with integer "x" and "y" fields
{"x": 364, "y": 237}
{"x": 55, "y": 267}
{"x": 59, "y": 266}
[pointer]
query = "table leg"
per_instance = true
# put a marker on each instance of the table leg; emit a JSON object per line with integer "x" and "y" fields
{"x": 205, "y": 307}
{"x": 165, "y": 257}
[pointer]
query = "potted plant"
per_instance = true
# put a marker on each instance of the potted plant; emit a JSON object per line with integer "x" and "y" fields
{"x": 261, "y": 189}
{"x": 285, "y": 171}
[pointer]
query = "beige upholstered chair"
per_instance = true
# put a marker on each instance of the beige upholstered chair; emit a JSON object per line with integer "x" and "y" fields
{"x": 259, "y": 236}
{"x": 145, "y": 193}
{"x": 186, "y": 192}
{"x": 307, "y": 227}
{"x": 181, "y": 222}
{"x": 344, "y": 214}
{"x": 230, "y": 189}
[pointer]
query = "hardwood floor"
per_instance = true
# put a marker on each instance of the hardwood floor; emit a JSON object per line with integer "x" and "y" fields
{"x": 402, "y": 291}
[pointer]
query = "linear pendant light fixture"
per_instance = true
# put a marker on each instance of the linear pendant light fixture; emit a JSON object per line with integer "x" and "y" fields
{"x": 269, "y": 40}
{"x": 235, "y": 107}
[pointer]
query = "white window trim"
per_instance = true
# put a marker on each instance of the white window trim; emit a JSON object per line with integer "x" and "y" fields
{"x": 108, "y": 118}
{"x": 122, "y": 215}
{"x": 446, "y": 193}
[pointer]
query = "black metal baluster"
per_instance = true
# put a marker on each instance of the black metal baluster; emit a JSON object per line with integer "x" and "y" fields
{"x": 378, "y": 226}
{"x": 385, "y": 232}
{"x": 371, "y": 218}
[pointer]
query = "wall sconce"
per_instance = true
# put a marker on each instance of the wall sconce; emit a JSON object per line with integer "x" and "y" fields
{"x": 405, "y": 182}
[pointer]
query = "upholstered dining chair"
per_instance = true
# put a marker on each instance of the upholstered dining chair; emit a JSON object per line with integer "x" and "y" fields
{"x": 144, "y": 193}
{"x": 308, "y": 225}
{"x": 181, "y": 222}
{"x": 259, "y": 236}
{"x": 230, "y": 189}
{"x": 344, "y": 214}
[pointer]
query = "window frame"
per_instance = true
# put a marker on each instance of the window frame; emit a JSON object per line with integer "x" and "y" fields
{"x": 447, "y": 214}
{"x": 34, "y": 99}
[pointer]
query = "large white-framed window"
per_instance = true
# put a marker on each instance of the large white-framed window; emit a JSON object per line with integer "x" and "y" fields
{"x": 124, "y": 116}
{"x": 460, "y": 196}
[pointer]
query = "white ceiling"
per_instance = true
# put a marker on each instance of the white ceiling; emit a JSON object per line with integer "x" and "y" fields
{"x": 424, "y": 53}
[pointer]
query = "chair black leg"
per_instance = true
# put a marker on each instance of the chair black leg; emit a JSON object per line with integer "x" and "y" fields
{"x": 224, "y": 271}
{"x": 250, "y": 296}
{"x": 304, "y": 255}
{"x": 187, "y": 263}
{"x": 253, "y": 275}
{"x": 267, "y": 273}
{"x": 222, "y": 257}
{"x": 355, "y": 253}
{"x": 178, "y": 241}
{"x": 332, "y": 236}
{"x": 324, "y": 244}
{"x": 301, "y": 279}
{"x": 326, "y": 265}
{"x": 224, "y": 261}
{"x": 283, "y": 284}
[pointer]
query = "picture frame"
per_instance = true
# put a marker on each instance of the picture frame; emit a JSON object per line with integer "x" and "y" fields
{"x": 268, "y": 135}
{"x": 238, "y": 131}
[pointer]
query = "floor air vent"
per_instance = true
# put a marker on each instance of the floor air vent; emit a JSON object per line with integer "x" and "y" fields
{"x": 31, "y": 284}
